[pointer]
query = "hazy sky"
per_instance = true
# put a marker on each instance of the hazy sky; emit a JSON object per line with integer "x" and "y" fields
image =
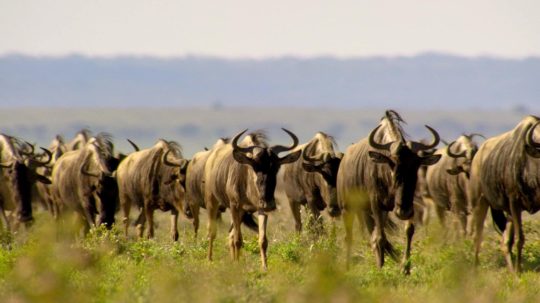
{"x": 251, "y": 28}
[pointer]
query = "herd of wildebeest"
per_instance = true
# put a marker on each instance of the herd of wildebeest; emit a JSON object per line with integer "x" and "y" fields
{"x": 379, "y": 179}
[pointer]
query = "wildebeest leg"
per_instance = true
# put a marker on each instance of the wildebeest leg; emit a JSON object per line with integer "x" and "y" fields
{"x": 100, "y": 218}
{"x": 196, "y": 222}
{"x": 480, "y": 212}
{"x": 295, "y": 209}
{"x": 235, "y": 236}
{"x": 441, "y": 215}
{"x": 516, "y": 218}
{"x": 212, "y": 211}
{"x": 508, "y": 243}
{"x": 140, "y": 223}
{"x": 5, "y": 220}
{"x": 378, "y": 238}
{"x": 461, "y": 215}
{"x": 409, "y": 232}
{"x": 126, "y": 207}
{"x": 348, "y": 220}
{"x": 174, "y": 224}
{"x": 149, "y": 212}
{"x": 263, "y": 241}
{"x": 314, "y": 219}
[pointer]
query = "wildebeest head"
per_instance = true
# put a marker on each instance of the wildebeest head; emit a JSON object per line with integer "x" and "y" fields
{"x": 403, "y": 160}
{"x": 464, "y": 158}
{"x": 19, "y": 166}
{"x": 180, "y": 173}
{"x": 532, "y": 147}
{"x": 325, "y": 164}
{"x": 265, "y": 162}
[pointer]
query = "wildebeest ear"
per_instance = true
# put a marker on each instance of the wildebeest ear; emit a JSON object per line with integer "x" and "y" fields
{"x": 43, "y": 179}
{"x": 430, "y": 160}
{"x": 309, "y": 167}
{"x": 455, "y": 170}
{"x": 380, "y": 158}
{"x": 290, "y": 158}
{"x": 240, "y": 157}
{"x": 533, "y": 152}
{"x": 173, "y": 178}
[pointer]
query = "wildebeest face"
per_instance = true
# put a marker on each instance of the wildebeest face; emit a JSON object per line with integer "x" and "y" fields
{"x": 463, "y": 160}
{"x": 327, "y": 169}
{"x": 404, "y": 165}
{"x": 265, "y": 162}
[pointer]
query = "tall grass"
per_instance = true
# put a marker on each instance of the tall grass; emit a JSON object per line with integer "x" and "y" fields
{"x": 49, "y": 263}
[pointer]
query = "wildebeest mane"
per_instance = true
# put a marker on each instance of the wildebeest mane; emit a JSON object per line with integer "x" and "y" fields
{"x": 106, "y": 147}
{"x": 395, "y": 129}
{"x": 175, "y": 147}
{"x": 258, "y": 137}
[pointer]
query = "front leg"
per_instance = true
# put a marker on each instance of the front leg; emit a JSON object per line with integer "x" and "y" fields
{"x": 378, "y": 237}
{"x": 295, "y": 210}
{"x": 263, "y": 241}
{"x": 409, "y": 232}
{"x": 149, "y": 213}
{"x": 174, "y": 224}
{"x": 518, "y": 229}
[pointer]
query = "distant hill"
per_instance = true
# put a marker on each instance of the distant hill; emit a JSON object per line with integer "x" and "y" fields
{"x": 430, "y": 81}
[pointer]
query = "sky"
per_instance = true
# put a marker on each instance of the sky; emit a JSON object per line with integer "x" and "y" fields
{"x": 261, "y": 29}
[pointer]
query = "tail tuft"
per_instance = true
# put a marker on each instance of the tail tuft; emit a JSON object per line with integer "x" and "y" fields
{"x": 250, "y": 222}
{"x": 499, "y": 220}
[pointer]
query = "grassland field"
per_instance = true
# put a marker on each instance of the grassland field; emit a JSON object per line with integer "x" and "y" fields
{"x": 52, "y": 262}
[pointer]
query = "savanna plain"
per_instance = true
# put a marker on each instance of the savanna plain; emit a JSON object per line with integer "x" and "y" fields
{"x": 52, "y": 262}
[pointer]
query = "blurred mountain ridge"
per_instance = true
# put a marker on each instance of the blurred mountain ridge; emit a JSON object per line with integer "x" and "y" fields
{"x": 427, "y": 81}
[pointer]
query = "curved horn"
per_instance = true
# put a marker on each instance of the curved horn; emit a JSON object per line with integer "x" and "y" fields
{"x": 135, "y": 147}
{"x": 32, "y": 148}
{"x": 176, "y": 163}
{"x": 376, "y": 145}
{"x": 49, "y": 156}
{"x": 280, "y": 148}
{"x": 435, "y": 141}
{"x": 305, "y": 155}
{"x": 87, "y": 173}
{"x": 529, "y": 139}
{"x": 451, "y": 154}
{"x": 476, "y": 134}
{"x": 235, "y": 146}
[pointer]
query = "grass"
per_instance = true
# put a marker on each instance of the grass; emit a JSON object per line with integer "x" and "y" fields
{"x": 49, "y": 263}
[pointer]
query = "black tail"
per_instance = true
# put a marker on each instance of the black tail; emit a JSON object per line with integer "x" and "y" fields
{"x": 249, "y": 222}
{"x": 499, "y": 220}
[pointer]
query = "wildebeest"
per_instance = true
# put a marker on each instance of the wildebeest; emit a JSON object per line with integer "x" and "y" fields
{"x": 153, "y": 179}
{"x": 80, "y": 139}
{"x": 377, "y": 175}
{"x": 312, "y": 181}
{"x": 43, "y": 193}
{"x": 17, "y": 176}
{"x": 243, "y": 178}
{"x": 195, "y": 183}
{"x": 78, "y": 179}
{"x": 505, "y": 177}
{"x": 447, "y": 180}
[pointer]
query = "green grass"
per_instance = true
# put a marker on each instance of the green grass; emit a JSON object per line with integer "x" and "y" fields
{"x": 49, "y": 263}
